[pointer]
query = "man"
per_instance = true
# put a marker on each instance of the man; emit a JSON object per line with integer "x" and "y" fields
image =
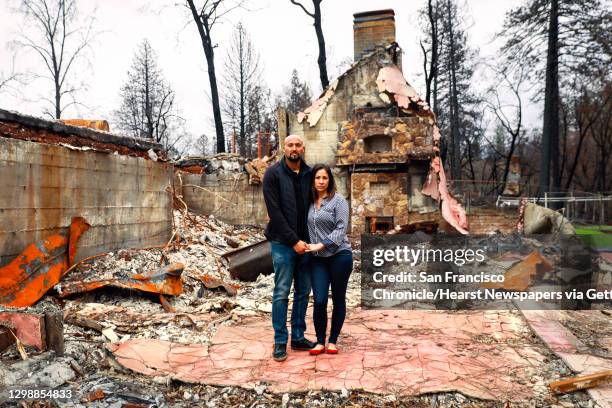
{"x": 285, "y": 187}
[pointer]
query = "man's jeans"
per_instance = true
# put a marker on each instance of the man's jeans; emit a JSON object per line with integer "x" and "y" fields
{"x": 289, "y": 266}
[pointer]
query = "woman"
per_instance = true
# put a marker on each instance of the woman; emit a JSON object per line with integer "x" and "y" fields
{"x": 332, "y": 260}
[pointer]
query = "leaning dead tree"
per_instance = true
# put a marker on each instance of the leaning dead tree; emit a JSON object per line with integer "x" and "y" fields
{"x": 322, "y": 59}
{"x": 206, "y": 14}
{"x": 56, "y": 34}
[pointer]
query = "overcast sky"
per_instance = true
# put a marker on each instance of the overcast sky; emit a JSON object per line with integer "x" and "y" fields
{"x": 281, "y": 32}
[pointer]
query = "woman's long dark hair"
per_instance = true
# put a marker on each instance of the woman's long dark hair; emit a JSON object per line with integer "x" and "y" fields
{"x": 331, "y": 187}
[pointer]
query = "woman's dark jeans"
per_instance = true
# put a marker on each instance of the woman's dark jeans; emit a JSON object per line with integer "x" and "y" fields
{"x": 335, "y": 271}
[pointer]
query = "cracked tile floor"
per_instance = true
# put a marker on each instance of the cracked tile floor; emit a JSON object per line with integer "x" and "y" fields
{"x": 480, "y": 354}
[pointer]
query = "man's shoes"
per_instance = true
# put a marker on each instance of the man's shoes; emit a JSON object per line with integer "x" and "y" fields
{"x": 280, "y": 352}
{"x": 302, "y": 345}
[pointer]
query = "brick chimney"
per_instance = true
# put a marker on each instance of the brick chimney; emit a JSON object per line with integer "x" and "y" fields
{"x": 372, "y": 28}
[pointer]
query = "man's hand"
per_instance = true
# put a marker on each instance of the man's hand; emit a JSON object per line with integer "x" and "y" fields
{"x": 301, "y": 247}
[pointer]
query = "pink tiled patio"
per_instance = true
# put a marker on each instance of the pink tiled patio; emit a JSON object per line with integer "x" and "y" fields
{"x": 482, "y": 354}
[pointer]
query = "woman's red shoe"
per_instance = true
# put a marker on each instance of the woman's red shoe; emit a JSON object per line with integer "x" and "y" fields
{"x": 316, "y": 351}
{"x": 332, "y": 350}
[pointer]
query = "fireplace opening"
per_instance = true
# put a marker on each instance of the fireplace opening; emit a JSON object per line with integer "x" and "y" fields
{"x": 378, "y": 144}
{"x": 379, "y": 225}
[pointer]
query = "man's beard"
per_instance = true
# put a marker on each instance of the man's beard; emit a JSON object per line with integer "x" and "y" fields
{"x": 294, "y": 158}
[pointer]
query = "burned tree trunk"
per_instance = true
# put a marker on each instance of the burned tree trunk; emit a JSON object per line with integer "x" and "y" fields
{"x": 322, "y": 59}
{"x": 550, "y": 130}
{"x": 204, "y": 20}
{"x": 455, "y": 144}
{"x": 432, "y": 73}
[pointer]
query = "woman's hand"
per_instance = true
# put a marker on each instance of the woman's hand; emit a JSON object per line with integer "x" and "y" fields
{"x": 315, "y": 247}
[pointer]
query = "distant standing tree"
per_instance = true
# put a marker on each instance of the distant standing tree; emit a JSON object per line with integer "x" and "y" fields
{"x": 205, "y": 17}
{"x": 297, "y": 95}
{"x": 242, "y": 76}
{"x": 449, "y": 85}
{"x": 322, "y": 59}
{"x": 587, "y": 107}
{"x": 8, "y": 80}
{"x": 509, "y": 116}
{"x": 147, "y": 101}
{"x": 575, "y": 36}
{"x": 57, "y": 38}
{"x": 203, "y": 145}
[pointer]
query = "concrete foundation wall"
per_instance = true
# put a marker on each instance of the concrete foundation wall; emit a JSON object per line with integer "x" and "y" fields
{"x": 228, "y": 196}
{"x": 126, "y": 200}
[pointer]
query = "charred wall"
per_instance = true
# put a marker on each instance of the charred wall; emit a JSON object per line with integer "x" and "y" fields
{"x": 226, "y": 195}
{"x": 126, "y": 199}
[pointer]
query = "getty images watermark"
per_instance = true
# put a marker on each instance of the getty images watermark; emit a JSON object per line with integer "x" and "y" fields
{"x": 480, "y": 272}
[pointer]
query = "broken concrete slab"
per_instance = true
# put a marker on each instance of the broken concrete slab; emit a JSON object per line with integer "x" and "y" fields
{"x": 399, "y": 352}
{"x": 548, "y": 327}
{"x": 12, "y": 122}
{"x": 541, "y": 220}
{"x": 40, "y": 266}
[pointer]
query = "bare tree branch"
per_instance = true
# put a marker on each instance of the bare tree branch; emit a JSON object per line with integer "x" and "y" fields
{"x": 53, "y": 27}
{"x": 303, "y": 8}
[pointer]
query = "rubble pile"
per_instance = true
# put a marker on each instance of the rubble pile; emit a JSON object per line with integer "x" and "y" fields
{"x": 123, "y": 313}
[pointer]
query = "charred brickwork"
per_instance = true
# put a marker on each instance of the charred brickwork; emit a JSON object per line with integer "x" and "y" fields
{"x": 371, "y": 29}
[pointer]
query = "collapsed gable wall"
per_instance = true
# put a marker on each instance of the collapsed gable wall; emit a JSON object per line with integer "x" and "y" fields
{"x": 127, "y": 200}
{"x": 355, "y": 89}
{"x": 340, "y": 129}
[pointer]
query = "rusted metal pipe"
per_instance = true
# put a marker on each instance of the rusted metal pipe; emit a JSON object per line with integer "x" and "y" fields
{"x": 248, "y": 262}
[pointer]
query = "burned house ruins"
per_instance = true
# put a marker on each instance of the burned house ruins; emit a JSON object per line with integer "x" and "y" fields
{"x": 379, "y": 135}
